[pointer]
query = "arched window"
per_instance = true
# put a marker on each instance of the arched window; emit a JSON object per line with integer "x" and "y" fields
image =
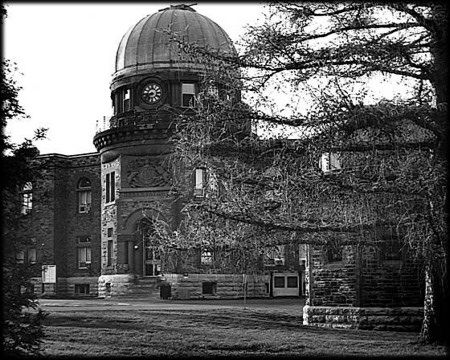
{"x": 84, "y": 195}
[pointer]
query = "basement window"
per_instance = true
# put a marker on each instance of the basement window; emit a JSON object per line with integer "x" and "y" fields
{"x": 82, "y": 289}
{"x": 209, "y": 288}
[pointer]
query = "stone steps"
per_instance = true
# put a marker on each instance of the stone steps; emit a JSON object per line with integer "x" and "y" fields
{"x": 145, "y": 288}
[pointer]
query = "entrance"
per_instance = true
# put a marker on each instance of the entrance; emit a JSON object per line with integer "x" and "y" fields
{"x": 152, "y": 260}
{"x": 151, "y": 257}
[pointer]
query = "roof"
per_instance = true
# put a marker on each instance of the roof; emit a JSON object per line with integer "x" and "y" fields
{"x": 154, "y": 41}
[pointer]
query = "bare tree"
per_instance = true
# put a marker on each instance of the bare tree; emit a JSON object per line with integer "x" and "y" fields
{"x": 393, "y": 153}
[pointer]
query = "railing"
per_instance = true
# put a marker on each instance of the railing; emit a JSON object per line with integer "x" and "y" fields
{"x": 130, "y": 118}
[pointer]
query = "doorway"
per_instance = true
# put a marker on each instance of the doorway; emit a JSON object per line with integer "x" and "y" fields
{"x": 150, "y": 255}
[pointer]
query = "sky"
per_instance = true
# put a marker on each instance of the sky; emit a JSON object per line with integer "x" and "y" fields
{"x": 65, "y": 54}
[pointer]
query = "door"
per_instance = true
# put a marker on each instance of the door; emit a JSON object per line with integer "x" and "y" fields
{"x": 285, "y": 284}
{"x": 152, "y": 260}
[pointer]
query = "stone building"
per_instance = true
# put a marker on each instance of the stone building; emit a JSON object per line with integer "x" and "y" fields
{"x": 90, "y": 215}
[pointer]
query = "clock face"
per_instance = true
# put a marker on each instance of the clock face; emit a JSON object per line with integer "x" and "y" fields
{"x": 151, "y": 93}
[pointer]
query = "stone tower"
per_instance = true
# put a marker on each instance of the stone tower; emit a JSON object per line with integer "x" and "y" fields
{"x": 154, "y": 80}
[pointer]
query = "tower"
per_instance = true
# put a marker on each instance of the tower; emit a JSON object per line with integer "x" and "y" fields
{"x": 154, "y": 80}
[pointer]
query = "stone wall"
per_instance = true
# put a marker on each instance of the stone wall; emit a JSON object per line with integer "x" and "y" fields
{"x": 332, "y": 283}
{"x": 114, "y": 285}
{"x": 367, "y": 318}
{"x": 190, "y": 286}
{"x": 389, "y": 282}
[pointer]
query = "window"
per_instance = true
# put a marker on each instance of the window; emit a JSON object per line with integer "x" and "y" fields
{"x": 110, "y": 187}
{"x": 278, "y": 281}
{"x": 292, "y": 281}
{"x": 110, "y": 253}
{"x": 213, "y": 91}
{"x": 20, "y": 257}
{"x": 27, "y": 198}
{"x": 84, "y": 195}
{"x": 330, "y": 162}
{"x": 274, "y": 255}
{"x": 32, "y": 256}
{"x": 84, "y": 257}
{"x": 206, "y": 257}
{"x": 209, "y": 288}
{"x": 126, "y": 100}
{"x": 82, "y": 289}
{"x": 391, "y": 248}
{"x": 199, "y": 186}
{"x": 333, "y": 252}
{"x": 187, "y": 95}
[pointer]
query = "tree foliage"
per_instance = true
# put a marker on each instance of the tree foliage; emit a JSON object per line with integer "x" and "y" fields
{"x": 22, "y": 320}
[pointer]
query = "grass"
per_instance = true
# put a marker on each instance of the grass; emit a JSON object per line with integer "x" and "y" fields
{"x": 214, "y": 332}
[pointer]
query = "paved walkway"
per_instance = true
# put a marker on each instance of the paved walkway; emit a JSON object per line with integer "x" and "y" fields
{"x": 288, "y": 305}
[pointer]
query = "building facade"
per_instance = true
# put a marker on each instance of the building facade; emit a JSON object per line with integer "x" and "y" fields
{"x": 90, "y": 216}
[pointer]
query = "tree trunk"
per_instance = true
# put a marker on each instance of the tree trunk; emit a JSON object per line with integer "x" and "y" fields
{"x": 428, "y": 325}
{"x": 435, "y": 325}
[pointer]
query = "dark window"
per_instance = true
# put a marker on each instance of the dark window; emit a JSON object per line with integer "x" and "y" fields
{"x": 110, "y": 187}
{"x": 292, "y": 281}
{"x": 209, "y": 288}
{"x": 334, "y": 252}
{"x": 32, "y": 256}
{"x": 81, "y": 289}
{"x": 391, "y": 248}
{"x": 20, "y": 257}
{"x": 278, "y": 282}
{"x": 110, "y": 232}
{"x": 110, "y": 253}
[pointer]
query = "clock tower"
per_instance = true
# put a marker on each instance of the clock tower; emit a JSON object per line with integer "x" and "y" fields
{"x": 154, "y": 81}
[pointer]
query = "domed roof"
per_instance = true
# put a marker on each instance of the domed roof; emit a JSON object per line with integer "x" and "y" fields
{"x": 154, "y": 42}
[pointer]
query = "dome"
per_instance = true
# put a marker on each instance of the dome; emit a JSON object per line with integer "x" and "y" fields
{"x": 152, "y": 43}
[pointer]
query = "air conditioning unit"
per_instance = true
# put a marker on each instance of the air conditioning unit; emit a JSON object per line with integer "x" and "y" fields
{"x": 279, "y": 261}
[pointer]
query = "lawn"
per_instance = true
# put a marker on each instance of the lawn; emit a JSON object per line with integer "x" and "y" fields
{"x": 213, "y": 332}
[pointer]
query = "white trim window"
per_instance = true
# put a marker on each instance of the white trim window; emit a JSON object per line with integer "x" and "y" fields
{"x": 206, "y": 257}
{"x": 330, "y": 162}
{"x": 27, "y": 198}
{"x": 199, "y": 182}
{"x": 110, "y": 187}
{"x": 188, "y": 95}
{"x": 126, "y": 99}
{"x": 84, "y": 196}
{"x": 84, "y": 257}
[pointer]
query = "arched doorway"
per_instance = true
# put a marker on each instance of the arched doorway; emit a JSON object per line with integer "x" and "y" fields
{"x": 150, "y": 251}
